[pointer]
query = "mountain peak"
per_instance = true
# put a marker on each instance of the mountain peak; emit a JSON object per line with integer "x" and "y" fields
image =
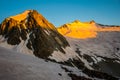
{"x": 24, "y": 15}
{"x": 92, "y": 21}
{"x": 29, "y": 32}
{"x": 27, "y": 19}
{"x": 76, "y": 21}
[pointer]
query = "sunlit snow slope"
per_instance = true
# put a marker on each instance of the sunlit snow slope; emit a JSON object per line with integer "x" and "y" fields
{"x": 84, "y": 30}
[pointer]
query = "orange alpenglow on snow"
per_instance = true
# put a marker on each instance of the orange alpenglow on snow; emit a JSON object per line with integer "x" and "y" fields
{"x": 21, "y": 16}
{"x": 83, "y": 30}
{"x": 79, "y": 29}
{"x": 27, "y": 17}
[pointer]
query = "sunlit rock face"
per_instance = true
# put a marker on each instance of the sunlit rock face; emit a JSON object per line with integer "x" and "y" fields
{"x": 84, "y": 30}
{"x": 29, "y": 32}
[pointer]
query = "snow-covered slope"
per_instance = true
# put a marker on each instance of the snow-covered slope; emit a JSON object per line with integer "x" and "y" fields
{"x": 98, "y": 45}
{"x": 102, "y": 52}
{"x": 106, "y": 44}
{"x": 19, "y": 66}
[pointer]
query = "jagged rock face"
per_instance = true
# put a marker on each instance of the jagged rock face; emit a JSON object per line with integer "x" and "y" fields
{"x": 39, "y": 36}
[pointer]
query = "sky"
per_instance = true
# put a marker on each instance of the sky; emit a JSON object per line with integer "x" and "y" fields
{"x": 60, "y": 12}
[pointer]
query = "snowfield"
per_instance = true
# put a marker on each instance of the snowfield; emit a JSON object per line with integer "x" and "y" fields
{"x": 19, "y": 66}
{"x": 106, "y": 44}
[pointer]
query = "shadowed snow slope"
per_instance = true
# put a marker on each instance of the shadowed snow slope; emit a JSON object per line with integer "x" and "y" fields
{"x": 102, "y": 52}
{"x": 98, "y": 44}
{"x": 18, "y": 66}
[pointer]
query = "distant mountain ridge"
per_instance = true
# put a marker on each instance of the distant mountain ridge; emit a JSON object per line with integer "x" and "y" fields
{"x": 83, "y": 30}
{"x": 104, "y": 25}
